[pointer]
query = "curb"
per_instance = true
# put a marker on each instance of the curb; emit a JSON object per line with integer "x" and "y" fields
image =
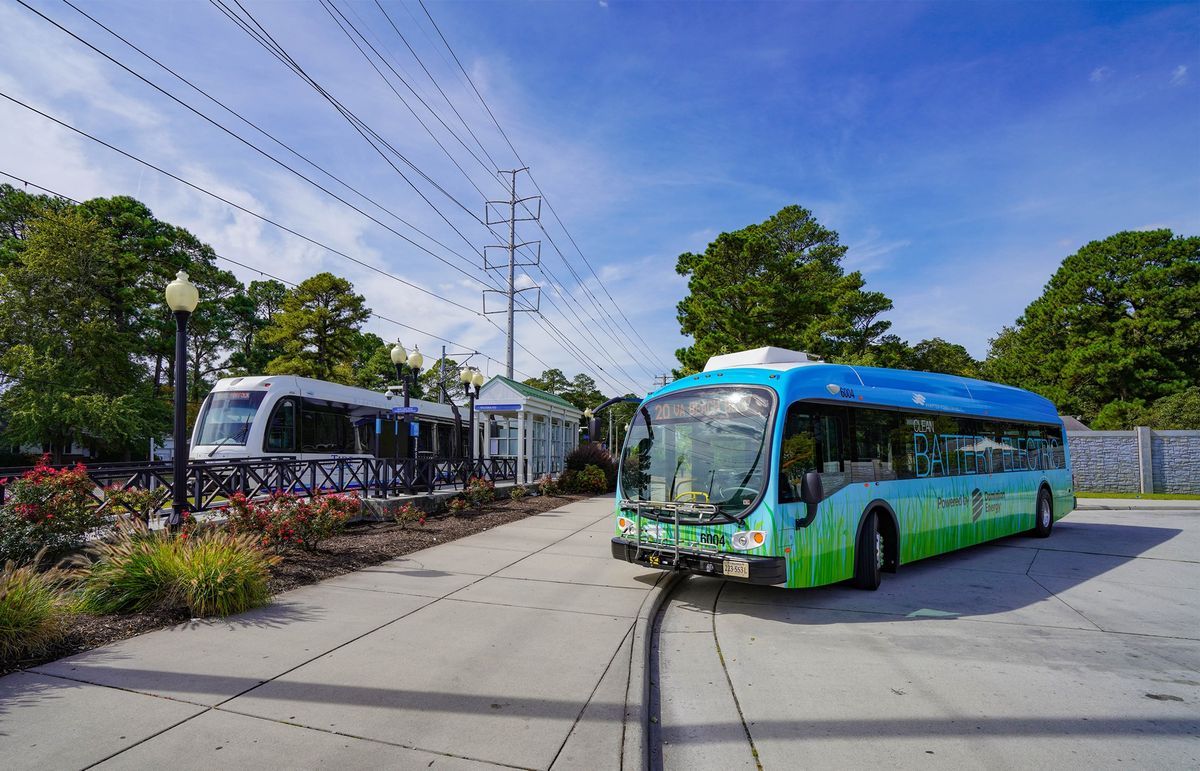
{"x": 635, "y": 749}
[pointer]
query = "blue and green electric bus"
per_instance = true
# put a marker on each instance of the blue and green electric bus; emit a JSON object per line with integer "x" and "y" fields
{"x": 772, "y": 468}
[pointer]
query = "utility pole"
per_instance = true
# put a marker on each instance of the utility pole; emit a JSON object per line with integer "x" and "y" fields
{"x": 661, "y": 380}
{"x": 511, "y": 247}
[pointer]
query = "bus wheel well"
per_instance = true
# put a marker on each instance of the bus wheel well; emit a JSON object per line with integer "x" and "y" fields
{"x": 891, "y": 540}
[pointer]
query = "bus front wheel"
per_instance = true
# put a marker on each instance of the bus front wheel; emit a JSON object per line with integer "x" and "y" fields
{"x": 868, "y": 554}
{"x": 1043, "y": 515}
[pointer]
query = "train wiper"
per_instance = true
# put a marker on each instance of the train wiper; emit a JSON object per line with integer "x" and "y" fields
{"x": 239, "y": 437}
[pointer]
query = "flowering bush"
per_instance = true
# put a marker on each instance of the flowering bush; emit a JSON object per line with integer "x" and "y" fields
{"x": 47, "y": 507}
{"x": 548, "y": 485}
{"x": 410, "y": 513}
{"x": 457, "y": 504}
{"x": 592, "y": 454}
{"x": 480, "y": 491}
{"x": 517, "y": 492}
{"x": 286, "y": 519}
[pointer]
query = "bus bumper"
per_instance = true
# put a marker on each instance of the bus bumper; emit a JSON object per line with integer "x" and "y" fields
{"x": 736, "y": 567}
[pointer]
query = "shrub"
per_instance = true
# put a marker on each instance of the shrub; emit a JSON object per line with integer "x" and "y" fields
{"x": 410, "y": 513}
{"x": 547, "y": 485}
{"x": 286, "y": 519}
{"x": 457, "y": 504}
{"x": 47, "y": 508}
{"x": 589, "y": 481}
{"x": 212, "y": 573}
{"x": 480, "y": 491}
{"x": 592, "y": 454}
{"x": 517, "y": 492}
{"x": 32, "y": 610}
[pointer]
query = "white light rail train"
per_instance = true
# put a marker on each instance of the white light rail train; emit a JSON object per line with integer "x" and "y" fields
{"x": 307, "y": 419}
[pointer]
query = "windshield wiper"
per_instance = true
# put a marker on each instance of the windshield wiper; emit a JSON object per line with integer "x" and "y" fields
{"x": 240, "y": 436}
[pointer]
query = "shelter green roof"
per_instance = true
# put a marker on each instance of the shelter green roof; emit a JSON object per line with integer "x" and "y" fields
{"x": 536, "y": 393}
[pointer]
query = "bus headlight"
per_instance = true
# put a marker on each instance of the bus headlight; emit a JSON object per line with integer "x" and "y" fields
{"x": 748, "y": 539}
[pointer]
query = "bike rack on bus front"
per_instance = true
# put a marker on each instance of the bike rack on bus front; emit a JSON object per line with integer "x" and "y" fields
{"x": 676, "y": 508}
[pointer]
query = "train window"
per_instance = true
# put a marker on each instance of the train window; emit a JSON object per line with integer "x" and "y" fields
{"x": 281, "y": 430}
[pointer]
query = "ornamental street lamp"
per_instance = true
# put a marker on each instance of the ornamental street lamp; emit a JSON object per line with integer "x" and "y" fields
{"x": 414, "y": 360}
{"x": 182, "y": 299}
{"x": 593, "y": 425}
{"x": 471, "y": 380}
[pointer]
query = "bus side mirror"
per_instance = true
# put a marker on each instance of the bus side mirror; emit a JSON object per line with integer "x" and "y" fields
{"x": 811, "y": 493}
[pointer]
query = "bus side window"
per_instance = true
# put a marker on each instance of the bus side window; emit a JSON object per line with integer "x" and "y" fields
{"x": 281, "y": 430}
{"x": 813, "y": 440}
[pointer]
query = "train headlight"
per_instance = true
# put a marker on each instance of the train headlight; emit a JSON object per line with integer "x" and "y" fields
{"x": 748, "y": 539}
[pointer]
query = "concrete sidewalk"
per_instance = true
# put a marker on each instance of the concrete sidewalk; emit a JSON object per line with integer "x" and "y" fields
{"x": 509, "y": 647}
{"x": 1130, "y": 504}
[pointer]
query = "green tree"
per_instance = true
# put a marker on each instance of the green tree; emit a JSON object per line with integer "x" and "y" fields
{"x": 776, "y": 283}
{"x": 583, "y": 393}
{"x": 552, "y": 381}
{"x": 938, "y": 355}
{"x": 318, "y": 330}
{"x": 251, "y": 313}
{"x": 1117, "y": 327}
{"x": 70, "y": 338}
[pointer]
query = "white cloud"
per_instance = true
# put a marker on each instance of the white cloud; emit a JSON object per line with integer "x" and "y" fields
{"x": 1101, "y": 74}
{"x": 1179, "y": 76}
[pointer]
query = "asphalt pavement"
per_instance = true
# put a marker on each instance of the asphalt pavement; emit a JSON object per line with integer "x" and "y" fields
{"x": 1078, "y": 651}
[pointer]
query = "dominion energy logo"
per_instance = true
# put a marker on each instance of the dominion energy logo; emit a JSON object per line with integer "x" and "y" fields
{"x": 981, "y": 502}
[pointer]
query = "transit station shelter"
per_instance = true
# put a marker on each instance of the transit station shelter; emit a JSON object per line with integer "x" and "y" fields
{"x": 523, "y": 422}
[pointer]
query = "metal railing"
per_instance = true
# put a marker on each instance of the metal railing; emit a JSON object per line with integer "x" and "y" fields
{"x": 210, "y": 483}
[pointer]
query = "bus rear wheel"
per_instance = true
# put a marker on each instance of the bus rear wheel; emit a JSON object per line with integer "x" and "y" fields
{"x": 1043, "y": 515}
{"x": 868, "y": 554}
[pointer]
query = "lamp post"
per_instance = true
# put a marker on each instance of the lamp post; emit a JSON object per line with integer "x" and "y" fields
{"x": 414, "y": 360}
{"x": 591, "y": 425}
{"x": 182, "y": 298}
{"x": 471, "y": 380}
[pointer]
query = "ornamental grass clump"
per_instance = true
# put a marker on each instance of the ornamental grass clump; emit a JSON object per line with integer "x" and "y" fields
{"x": 33, "y": 610}
{"x": 223, "y": 573}
{"x": 47, "y": 509}
{"x": 211, "y": 573}
{"x": 135, "y": 572}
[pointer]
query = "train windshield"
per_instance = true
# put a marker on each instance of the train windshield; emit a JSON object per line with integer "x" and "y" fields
{"x": 704, "y": 445}
{"x": 226, "y": 417}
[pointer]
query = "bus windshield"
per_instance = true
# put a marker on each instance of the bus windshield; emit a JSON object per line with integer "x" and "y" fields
{"x": 226, "y": 417}
{"x": 703, "y": 445}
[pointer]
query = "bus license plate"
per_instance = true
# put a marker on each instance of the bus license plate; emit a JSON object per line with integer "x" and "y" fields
{"x": 737, "y": 568}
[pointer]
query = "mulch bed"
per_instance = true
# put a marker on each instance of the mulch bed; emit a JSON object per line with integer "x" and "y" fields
{"x": 362, "y": 545}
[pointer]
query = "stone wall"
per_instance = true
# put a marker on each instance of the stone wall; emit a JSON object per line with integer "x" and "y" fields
{"x": 1136, "y": 461}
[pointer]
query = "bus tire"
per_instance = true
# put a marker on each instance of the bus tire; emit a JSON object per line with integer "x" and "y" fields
{"x": 1043, "y": 515}
{"x": 868, "y": 554}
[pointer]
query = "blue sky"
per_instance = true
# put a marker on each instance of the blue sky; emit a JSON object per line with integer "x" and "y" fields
{"x": 962, "y": 150}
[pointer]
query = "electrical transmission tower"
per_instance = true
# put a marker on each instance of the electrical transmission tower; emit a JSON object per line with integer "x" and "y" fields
{"x": 511, "y": 265}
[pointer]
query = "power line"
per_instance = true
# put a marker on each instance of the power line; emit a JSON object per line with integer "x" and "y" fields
{"x": 281, "y": 280}
{"x": 500, "y": 128}
{"x": 264, "y": 39}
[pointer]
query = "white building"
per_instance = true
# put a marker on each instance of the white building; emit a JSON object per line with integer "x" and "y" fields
{"x": 520, "y": 421}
